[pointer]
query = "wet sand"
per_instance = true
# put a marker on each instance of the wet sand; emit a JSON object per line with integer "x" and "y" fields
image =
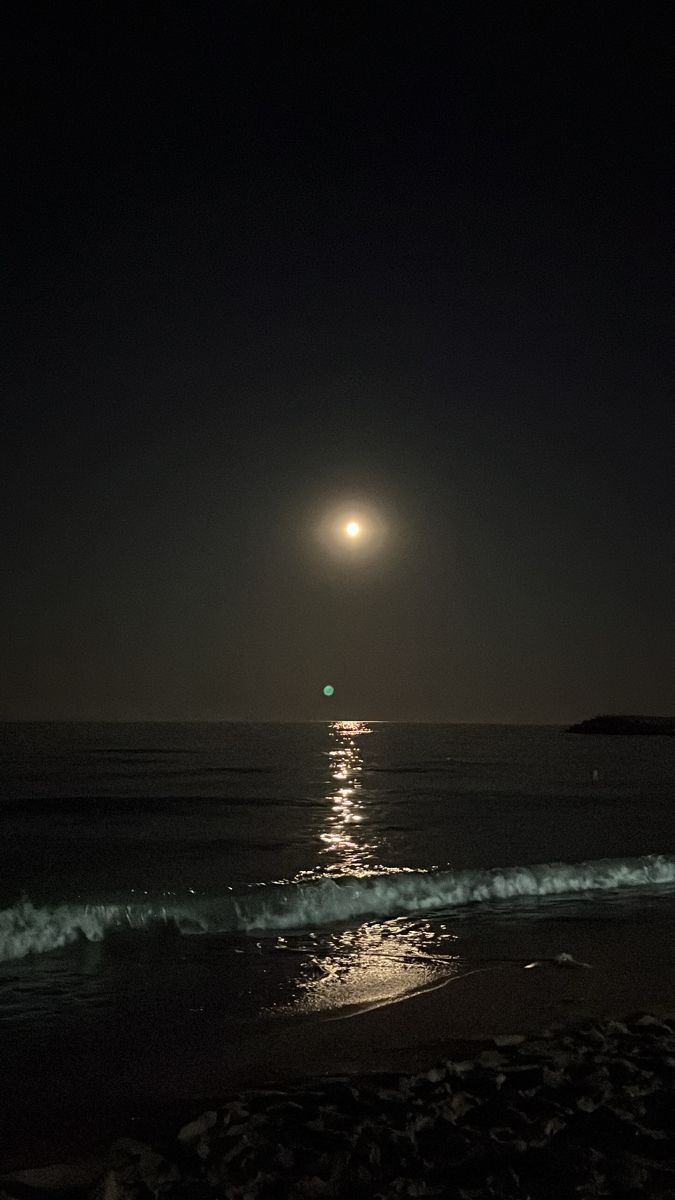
{"x": 628, "y": 974}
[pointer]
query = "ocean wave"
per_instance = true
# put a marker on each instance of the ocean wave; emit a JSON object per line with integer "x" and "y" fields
{"x": 328, "y": 901}
{"x": 26, "y": 928}
{"x": 29, "y": 929}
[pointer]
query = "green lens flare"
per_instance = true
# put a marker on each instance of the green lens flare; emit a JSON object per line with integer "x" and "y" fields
{"x": 328, "y": 690}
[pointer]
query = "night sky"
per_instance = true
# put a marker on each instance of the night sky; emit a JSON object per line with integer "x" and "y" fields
{"x": 269, "y": 263}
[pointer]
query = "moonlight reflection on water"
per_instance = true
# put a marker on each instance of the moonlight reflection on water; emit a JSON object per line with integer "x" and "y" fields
{"x": 376, "y": 962}
{"x": 345, "y": 843}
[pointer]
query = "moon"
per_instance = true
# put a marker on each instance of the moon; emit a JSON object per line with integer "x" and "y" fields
{"x": 353, "y": 532}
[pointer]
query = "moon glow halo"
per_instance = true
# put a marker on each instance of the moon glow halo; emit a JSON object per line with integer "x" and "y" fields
{"x": 353, "y": 532}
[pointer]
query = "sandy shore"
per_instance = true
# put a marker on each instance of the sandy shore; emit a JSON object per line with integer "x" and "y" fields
{"x": 450, "y": 1021}
{"x": 624, "y": 975}
{"x": 586, "y": 1111}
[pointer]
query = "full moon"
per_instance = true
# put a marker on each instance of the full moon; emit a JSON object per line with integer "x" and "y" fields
{"x": 353, "y": 532}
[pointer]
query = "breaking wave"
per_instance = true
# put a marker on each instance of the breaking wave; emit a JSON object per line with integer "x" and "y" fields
{"x": 29, "y": 929}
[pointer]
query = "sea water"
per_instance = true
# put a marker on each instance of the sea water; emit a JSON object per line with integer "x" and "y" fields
{"x": 167, "y": 888}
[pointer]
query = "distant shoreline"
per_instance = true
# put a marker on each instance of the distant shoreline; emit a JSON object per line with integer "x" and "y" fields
{"x": 627, "y": 726}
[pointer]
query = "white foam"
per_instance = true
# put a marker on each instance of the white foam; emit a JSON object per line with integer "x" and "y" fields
{"x": 28, "y": 929}
{"x": 328, "y": 901}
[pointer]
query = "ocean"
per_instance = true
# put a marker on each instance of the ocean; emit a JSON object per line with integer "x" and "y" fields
{"x": 170, "y": 893}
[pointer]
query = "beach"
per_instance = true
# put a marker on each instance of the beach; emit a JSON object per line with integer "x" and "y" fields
{"x": 585, "y": 1111}
{"x": 209, "y": 911}
{"x": 498, "y": 1008}
{"x": 582, "y": 1109}
{"x": 337, "y": 720}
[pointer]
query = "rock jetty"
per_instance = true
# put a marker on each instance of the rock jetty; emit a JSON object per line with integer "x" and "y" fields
{"x": 582, "y": 1113}
{"x": 626, "y": 725}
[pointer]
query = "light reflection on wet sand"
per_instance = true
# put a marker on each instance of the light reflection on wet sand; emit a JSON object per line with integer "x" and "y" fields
{"x": 375, "y": 963}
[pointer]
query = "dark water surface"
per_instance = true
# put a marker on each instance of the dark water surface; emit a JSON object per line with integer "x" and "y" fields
{"x": 167, "y": 890}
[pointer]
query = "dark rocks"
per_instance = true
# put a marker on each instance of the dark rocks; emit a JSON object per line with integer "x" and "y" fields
{"x": 590, "y": 1112}
{"x": 615, "y": 724}
{"x": 136, "y": 1172}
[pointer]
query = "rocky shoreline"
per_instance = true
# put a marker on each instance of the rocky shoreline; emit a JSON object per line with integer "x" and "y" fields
{"x": 578, "y": 1113}
{"x": 628, "y": 726}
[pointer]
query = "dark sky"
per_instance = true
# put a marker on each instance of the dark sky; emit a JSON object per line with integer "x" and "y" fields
{"x": 269, "y": 261}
